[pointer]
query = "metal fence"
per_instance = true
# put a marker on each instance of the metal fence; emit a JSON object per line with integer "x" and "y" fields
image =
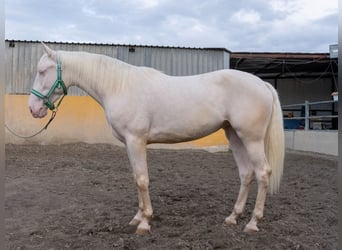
{"x": 321, "y": 115}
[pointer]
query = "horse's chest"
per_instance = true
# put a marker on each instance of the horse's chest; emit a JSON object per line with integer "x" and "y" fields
{"x": 127, "y": 121}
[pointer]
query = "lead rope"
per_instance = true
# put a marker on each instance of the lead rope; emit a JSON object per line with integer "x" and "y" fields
{"x": 53, "y": 114}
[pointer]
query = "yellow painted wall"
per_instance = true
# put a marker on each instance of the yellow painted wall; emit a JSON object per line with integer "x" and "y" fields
{"x": 79, "y": 119}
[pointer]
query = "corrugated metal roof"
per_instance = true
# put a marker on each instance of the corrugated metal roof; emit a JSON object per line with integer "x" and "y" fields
{"x": 123, "y": 45}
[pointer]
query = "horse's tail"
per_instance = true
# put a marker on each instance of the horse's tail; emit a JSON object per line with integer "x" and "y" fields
{"x": 274, "y": 143}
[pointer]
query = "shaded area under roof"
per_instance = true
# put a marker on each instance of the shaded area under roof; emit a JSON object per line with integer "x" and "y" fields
{"x": 285, "y": 65}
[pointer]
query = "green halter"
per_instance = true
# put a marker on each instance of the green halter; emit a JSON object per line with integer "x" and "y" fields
{"x": 59, "y": 83}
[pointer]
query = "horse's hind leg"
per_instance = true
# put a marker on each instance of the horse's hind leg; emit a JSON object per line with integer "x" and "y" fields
{"x": 262, "y": 172}
{"x": 139, "y": 216}
{"x": 245, "y": 171}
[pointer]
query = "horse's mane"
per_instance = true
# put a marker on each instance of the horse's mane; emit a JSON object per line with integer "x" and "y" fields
{"x": 97, "y": 70}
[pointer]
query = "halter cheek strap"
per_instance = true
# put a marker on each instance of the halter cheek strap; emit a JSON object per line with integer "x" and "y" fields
{"x": 59, "y": 83}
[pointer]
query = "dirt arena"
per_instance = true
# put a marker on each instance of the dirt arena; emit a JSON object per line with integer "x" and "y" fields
{"x": 82, "y": 196}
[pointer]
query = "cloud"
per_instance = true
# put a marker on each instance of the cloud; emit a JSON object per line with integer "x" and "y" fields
{"x": 304, "y": 9}
{"x": 249, "y": 25}
{"x": 146, "y": 4}
{"x": 302, "y": 27}
{"x": 246, "y": 16}
{"x": 93, "y": 14}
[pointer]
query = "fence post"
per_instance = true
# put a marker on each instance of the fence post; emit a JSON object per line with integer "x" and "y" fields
{"x": 307, "y": 114}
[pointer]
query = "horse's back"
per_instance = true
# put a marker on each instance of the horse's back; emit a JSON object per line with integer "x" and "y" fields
{"x": 225, "y": 90}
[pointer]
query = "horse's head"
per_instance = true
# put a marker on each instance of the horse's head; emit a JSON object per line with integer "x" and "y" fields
{"x": 48, "y": 85}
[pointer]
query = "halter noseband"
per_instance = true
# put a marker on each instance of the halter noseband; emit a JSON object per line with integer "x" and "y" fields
{"x": 59, "y": 83}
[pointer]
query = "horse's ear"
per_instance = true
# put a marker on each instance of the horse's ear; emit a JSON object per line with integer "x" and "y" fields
{"x": 50, "y": 52}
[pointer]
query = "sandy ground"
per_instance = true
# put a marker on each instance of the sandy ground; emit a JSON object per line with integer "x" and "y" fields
{"x": 82, "y": 196}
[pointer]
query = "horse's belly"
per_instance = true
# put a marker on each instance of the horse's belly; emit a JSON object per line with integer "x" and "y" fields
{"x": 182, "y": 130}
{"x": 173, "y": 137}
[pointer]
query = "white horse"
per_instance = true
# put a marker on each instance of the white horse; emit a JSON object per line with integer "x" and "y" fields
{"x": 145, "y": 106}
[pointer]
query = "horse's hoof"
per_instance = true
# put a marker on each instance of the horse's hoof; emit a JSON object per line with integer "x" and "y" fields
{"x": 230, "y": 221}
{"x": 143, "y": 229}
{"x": 134, "y": 222}
{"x": 251, "y": 229}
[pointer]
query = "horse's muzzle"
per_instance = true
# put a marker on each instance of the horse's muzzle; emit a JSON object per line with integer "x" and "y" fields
{"x": 39, "y": 112}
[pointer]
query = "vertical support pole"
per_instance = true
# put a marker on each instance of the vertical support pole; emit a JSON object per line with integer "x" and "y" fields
{"x": 2, "y": 125}
{"x": 307, "y": 114}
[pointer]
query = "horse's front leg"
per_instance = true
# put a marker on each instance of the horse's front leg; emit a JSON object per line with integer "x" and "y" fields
{"x": 136, "y": 149}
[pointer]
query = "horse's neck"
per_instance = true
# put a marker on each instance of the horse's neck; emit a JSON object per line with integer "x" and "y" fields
{"x": 95, "y": 74}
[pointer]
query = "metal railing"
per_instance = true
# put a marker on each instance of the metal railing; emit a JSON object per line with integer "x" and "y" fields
{"x": 307, "y": 115}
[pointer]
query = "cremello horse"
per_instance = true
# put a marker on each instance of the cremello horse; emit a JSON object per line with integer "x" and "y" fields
{"x": 145, "y": 106}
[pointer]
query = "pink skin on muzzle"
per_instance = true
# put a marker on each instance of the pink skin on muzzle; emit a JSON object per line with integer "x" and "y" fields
{"x": 37, "y": 107}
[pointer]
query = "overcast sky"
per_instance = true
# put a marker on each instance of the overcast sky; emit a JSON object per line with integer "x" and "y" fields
{"x": 237, "y": 25}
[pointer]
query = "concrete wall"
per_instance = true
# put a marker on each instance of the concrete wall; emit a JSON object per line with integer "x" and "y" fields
{"x": 325, "y": 142}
